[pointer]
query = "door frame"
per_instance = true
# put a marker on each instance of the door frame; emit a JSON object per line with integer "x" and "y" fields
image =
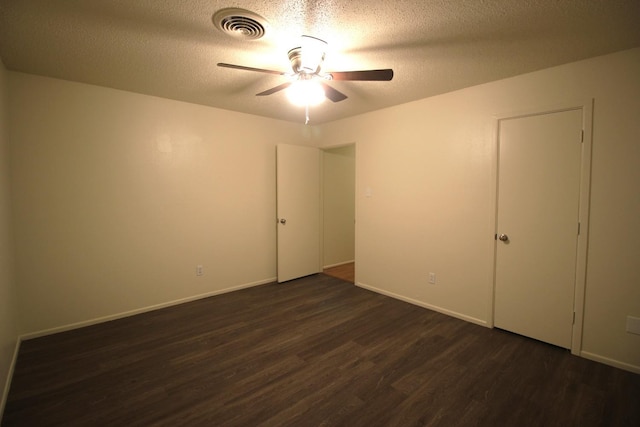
{"x": 586, "y": 105}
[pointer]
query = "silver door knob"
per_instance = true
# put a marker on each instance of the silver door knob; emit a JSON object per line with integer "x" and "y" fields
{"x": 283, "y": 221}
{"x": 503, "y": 237}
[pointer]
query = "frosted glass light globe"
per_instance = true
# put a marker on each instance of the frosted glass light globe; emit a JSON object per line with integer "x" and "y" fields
{"x": 305, "y": 92}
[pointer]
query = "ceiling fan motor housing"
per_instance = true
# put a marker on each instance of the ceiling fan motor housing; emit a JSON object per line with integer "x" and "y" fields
{"x": 309, "y": 56}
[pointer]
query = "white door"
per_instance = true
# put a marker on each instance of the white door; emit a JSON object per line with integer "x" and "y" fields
{"x": 298, "y": 211}
{"x": 537, "y": 228}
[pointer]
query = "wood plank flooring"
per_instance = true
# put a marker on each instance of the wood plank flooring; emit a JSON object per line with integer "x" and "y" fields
{"x": 316, "y": 351}
{"x": 345, "y": 272}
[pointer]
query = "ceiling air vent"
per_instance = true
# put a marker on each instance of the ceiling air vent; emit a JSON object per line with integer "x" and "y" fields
{"x": 240, "y": 23}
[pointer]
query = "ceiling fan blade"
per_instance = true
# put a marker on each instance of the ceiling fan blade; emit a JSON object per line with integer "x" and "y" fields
{"x": 274, "y": 89}
{"x": 242, "y": 67}
{"x": 365, "y": 75}
{"x": 333, "y": 94}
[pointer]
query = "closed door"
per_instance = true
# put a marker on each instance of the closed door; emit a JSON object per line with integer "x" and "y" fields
{"x": 537, "y": 227}
{"x": 298, "y": 211}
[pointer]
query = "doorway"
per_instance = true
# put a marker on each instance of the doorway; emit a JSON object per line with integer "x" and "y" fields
{"x": 338, "y": 207}
{"x": 542, "y": 211}
{"x": 315, "y": 192}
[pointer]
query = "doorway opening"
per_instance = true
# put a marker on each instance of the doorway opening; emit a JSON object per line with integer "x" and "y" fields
{"x": 338, "y": 211}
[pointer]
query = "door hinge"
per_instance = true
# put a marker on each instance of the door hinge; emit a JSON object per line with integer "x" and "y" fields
{"x": 578, "y": 229}
{"x": 573, "y": 322}
{"x": 582, "y": 135}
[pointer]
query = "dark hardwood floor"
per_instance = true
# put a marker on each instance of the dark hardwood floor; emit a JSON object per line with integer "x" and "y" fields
{"x": 310, "y": 352}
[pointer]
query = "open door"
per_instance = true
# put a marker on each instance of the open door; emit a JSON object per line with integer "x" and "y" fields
{"x": 298, "y": 211}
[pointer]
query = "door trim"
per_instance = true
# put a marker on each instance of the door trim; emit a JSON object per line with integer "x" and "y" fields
{"x": 586, "y": 106}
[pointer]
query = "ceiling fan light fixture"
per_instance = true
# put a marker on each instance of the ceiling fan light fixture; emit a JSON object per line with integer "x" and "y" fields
{"x": 306, "y": 92}
{"x": 307, "y": 86}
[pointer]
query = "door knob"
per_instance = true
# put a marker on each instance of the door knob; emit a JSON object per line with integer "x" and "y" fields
{"x": 283, "y": 221}
{"x": 503, "y": 237}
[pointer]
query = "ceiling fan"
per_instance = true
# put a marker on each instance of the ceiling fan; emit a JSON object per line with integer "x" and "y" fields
{"x": 306, "y": 64}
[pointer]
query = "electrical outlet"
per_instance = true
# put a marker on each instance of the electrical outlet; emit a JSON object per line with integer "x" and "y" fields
{"x": 199, "y": 270}
{"x": 633, "y": 325}
{"x": 432, "y": 278}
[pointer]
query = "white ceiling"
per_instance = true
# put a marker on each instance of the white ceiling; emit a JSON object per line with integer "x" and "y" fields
{"x": 169, "y": 48}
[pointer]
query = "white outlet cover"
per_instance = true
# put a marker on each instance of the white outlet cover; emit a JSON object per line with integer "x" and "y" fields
{"x": 633, "y": 325}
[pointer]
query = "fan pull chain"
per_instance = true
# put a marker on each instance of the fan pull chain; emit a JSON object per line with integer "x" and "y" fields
{"x": 306, "y": 122}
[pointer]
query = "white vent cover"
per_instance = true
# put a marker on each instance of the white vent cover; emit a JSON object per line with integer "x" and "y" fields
{"x": 240, "y": 23}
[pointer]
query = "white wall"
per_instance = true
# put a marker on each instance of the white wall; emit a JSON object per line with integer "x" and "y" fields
{"x": 430, "y": 165}
{"x": 118, "y": 196}
{"x": 338, "y": 183}
{"x": 8, "y": 296}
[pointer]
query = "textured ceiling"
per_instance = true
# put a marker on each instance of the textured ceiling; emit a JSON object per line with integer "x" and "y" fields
{"x": 170, "y": 48}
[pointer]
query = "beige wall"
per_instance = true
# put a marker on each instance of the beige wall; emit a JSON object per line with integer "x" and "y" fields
{"x": 118, "y": 197}
{"x": 8, "y": 298}
{"x": 338, "y": 183}
{"x": 429, "y": 167}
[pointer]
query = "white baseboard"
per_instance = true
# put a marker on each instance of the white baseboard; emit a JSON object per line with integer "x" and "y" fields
{"x": 425, "y": 305}
{"x": 82, "y": 324}
{"x": 611, "y": 362}
{"x": 7, "y": 384}
{"x": 338, "y": 264}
